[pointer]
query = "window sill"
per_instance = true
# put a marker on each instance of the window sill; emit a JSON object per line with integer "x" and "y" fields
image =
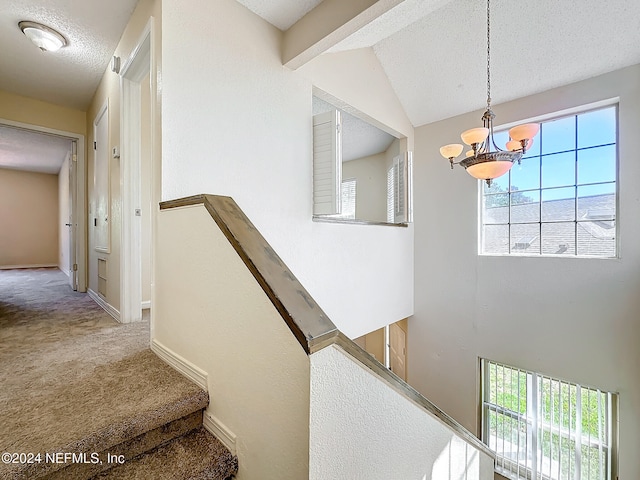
{"x": 511, "y": 255}
{"x": 322, "y": 219}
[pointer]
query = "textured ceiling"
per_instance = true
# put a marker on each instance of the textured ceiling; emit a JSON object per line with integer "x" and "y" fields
{"x": 70, "y": 76}
{"x": 437, "y": 65}
{"x": 434, "y": 51}
{"x": 28, "y": 150}
{"x": 280, "y": 13}
{"x": 359, "y": 138}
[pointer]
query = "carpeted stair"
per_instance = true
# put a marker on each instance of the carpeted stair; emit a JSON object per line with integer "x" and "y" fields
{"x": 137, "y": 410}
{"x": 75, "y": 381}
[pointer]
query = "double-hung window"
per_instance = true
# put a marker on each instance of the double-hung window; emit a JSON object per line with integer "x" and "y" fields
{"x": 543, "y": 428}
{"x": 561, "y": 200}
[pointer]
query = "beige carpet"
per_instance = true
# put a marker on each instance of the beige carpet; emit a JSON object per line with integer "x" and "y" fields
{"x": 72, "y": 377}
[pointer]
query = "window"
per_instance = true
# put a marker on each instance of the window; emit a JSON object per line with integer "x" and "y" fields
{"x": 347, "y": 146}
{"x": 561, "y": 200}
{"x": 348, "y": 199}
{"x": 399, "y": 184}
{"x": 544, "y": 428}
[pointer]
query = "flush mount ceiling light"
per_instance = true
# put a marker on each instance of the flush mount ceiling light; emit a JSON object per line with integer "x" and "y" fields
{"x": 45, "y": 38}
{"x": 485, "y": 160}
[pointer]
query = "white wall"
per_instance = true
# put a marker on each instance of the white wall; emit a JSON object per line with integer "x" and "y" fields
{"x": 236, "y": 122}
{"x": 577, "y": 319}
{"x": 64, "y": 210}
{"x": 360, "y": 428}
{"x": 357, "y": 80}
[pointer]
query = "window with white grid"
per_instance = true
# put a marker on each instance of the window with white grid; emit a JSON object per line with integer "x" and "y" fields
{"x": 545, "y": 428}
{"x": 348, "y": 199}
{"x": 561, "y": 199}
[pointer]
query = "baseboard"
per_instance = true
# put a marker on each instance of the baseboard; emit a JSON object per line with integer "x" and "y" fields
{"x": 220, "y": 431}
{"x": 146, "y": 304}
{"x": 104, "y": 304}
{"x": 182, "y": 365}
{"x": 35, "y": 265}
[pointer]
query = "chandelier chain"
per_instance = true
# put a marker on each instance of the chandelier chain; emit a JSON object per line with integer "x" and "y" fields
{"x": 488, "y": 58}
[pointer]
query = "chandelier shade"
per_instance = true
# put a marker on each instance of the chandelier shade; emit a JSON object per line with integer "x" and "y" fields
{"x": 485, "y": 160}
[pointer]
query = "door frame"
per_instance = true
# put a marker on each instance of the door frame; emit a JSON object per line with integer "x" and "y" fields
{"x": 79, "y": 210}
{"x": 140, "y": 62}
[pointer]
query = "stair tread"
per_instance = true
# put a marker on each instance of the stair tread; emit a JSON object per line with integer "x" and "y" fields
{"x": 121, "y": 400}
{"x": 197, "y": 455}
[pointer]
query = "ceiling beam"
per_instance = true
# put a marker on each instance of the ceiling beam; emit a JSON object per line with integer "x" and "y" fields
{"x": 329, "y": 23}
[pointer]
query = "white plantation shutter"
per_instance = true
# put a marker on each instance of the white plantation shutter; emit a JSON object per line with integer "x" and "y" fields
{"x": 327, "y": 163}
{"x": 399, "y": 189}
{"x": 348, "y": 199}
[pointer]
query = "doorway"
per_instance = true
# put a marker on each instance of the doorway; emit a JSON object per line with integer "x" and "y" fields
{"x": 388, "y": 345}
{"x": 136, "y": 167}
{"x": 29, "y": 145}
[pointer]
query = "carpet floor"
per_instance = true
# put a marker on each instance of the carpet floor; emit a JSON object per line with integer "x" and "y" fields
{"x": 72, "y": 378}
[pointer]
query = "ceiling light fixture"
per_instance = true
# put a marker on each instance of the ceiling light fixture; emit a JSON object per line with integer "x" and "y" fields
{"x": 481, "y": 161}
{"x": 45, "y": 38}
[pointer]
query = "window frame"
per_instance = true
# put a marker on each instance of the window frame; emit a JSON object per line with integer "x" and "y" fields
{"x": 512, "y": 469}
{"x": 513, "y": 252}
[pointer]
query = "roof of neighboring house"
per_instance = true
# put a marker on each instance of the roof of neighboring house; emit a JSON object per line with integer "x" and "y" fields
{"x": 554, "y": 223}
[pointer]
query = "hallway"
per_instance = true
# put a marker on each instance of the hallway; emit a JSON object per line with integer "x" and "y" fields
{"x": 75, "y": 380}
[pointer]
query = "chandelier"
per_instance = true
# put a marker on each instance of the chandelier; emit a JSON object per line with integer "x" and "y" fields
{"x": 485, "y": 160}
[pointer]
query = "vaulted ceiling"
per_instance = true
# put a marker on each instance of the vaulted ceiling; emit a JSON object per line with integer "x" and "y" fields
{"x": 433, "y": 51}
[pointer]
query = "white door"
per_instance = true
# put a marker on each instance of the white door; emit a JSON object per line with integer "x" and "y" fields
{"x": 73, "y": 225}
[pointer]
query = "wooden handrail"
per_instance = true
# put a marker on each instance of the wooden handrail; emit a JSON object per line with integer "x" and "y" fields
{"x": 304, "y": 317}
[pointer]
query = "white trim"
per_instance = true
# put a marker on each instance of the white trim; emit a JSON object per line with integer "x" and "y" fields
{"x": 104, "y": 110}
{"x": 186, "y": 368}
{"x": 561, "y": 113}
{"x": 35, "y": 265}
{"x": 133, "y": 71}
{"x": 107, "y": 307}
{"x": 146, "y": 304}
{"x": 80, "y": 216}
{"x": 220, "y": 431}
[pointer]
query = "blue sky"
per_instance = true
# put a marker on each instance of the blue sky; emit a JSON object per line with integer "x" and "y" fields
{"x": 593, "y": 134}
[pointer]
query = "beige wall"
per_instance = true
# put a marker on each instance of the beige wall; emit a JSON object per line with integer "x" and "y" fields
{"x": 109, "y": 90}
{"x": 210, "y": 310}
{"x": 572, "y": 318}
{"x": 28, "y": 219}
{"x": 27, "y": 110}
